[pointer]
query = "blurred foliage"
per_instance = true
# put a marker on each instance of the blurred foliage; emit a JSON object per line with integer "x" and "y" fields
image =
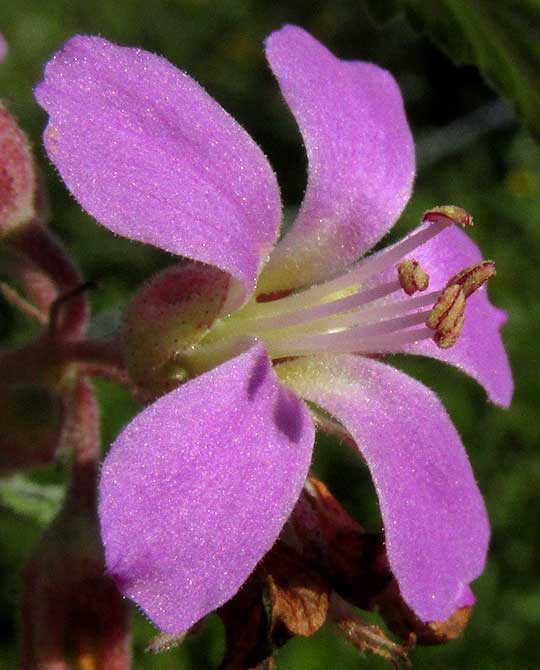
{"x": 34, "y": 500}
{"x": 469, "y": 155}
{"x": 501, "y": 38}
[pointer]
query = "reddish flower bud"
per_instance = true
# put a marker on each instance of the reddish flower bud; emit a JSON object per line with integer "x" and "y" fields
{"x": 34, "y": 386}
{"x": 32, "y": 254}
{"x": 17, "y": 176}
{"x": 72, "y": 612}
{"x": 73, "y": 615}
{"x": 167, "y": 317}
{"x": 49, "y": 277}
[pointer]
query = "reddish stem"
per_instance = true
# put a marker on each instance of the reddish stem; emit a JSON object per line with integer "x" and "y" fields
{"x": 44, "y": 261}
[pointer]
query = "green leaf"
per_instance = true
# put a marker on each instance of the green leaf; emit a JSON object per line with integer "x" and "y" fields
{"x": 39, "y": 502}
{"x": 501, "y": 37}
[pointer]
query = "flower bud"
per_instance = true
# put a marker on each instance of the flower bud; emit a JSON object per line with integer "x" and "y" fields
{"x": 167, "y": 317}
{"x": 70, "y": 607}
{"x": 73, "y": 615}
{"x": 17, "y": 176}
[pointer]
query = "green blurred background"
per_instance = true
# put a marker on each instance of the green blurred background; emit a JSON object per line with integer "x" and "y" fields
{"x": 472, "y": 151}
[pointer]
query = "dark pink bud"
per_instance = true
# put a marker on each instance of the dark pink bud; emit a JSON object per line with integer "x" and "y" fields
{"x": 73, "y": 615}
{"x": 33, "y": 256}
{"x": 17, "y": 176}
{"x": 168, "y": 316}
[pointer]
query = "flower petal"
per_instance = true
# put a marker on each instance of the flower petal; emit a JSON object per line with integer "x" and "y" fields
{"x": 149, "y": 154}
{"x": 434, "y": 518}
{"x": 360, "y": 153}
{"x": 197, "y": 488}
{"x": 480, "y": 351}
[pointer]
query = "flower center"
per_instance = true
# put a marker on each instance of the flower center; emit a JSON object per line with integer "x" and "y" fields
{"x": 366, "y": 310}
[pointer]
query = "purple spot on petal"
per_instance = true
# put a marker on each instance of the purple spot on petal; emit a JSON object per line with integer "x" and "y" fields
{"x": 258, "y": 375}
{"x": 288, "y": 415}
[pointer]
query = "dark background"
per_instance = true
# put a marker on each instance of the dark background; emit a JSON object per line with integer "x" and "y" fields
{"x": 472, "y": 151}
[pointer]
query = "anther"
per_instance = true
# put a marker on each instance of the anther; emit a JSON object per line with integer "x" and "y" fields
{"x": 473, "y": 277}
{"x": 412, "y": 277}
{"x": 445, "y": 340}
{"x": 447, "y": 316}
{"x": 448, "y": 214}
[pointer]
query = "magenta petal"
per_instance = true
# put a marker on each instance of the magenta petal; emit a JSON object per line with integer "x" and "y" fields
{"x": 434, "y": 518}
{"x": 197, "y": 488}
{"x": 154, "y": 158}
{"x": 360, "y": 153}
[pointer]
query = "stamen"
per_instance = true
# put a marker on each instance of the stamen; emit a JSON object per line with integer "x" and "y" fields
{"x": 348, "y": 314}
{"x": 325, "y": 318}
{"x": 258, "y": 323}
{"x": 447, "y": 316}
{"x": 388, "y": 344}
{"x": 412, "y": 277}
{"x": 378, "y": 312}
{"x": 352, "y": 280}
{"x": 445, "y": 340}
{"x": 361, "y": 338}
{"x": 380, "y": 260}
{"x": 451, "y": 213}
{"x": 449, "y": 305}
{"x": 473, "y": 277}
{"x": 376, "y": 344}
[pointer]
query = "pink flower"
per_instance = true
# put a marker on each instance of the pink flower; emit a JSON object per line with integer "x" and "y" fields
{"x": 198, "y": 487}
